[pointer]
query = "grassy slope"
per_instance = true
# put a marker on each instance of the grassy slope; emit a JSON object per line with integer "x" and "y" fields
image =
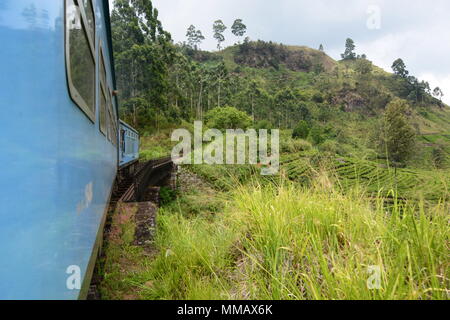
{"x": 312, "y": 237}
{"x": 356, "y": 130}
{"x": 285, "y": 242}
{"x": 255, "y": 238}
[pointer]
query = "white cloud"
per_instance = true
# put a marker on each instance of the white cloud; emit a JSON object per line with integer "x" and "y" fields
{"x": 442, "y": 82}
{"x": 414, "y": 30}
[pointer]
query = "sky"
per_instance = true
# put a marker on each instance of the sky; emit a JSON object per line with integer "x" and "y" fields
{"x": 418, "y": 31}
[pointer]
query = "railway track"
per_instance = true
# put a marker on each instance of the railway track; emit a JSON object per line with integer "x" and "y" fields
{"x": 147, "y": 173}
{"x": 135, "y": 187}
{"x": 151, "y": 173}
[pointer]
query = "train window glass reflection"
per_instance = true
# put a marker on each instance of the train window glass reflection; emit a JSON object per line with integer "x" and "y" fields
{"x": 80, "y": 60}
{"x": 89, "y": 10}
{"x": 102, "y": 112}
{"x": 110, "y": 126}
{"x": 104, "y": 101}
{"x": 102, "y": 71}
{"x": 114, "y": 138}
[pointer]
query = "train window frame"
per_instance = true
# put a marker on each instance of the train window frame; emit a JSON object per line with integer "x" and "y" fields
{"x": 113, "y": 116}
{"x": 92, "y": 28}
{"x": 110, "y": 118}
{"x": 89, "y": 33}
{"x": 103, "y": 79}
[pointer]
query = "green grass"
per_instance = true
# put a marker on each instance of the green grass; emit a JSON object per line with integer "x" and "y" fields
{"x": 311, "y": 233}
{"x": 156, "y": 146}
{"x": 288, "y": 242}
{"x": 375, "y": 178}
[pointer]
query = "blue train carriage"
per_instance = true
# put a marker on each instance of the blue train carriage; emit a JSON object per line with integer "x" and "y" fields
{"x": 59, "y": 144}
{"x": 129, "y": 145}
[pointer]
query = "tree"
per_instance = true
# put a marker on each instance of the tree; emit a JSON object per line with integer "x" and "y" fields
{"x": 317, "y": 135}
{"x": 399, "y": 68}
{"x": 220, "y": 72}
{"x": 195, "y": 37}
{"x": 199, "y": 37}
{"x": 301, "y": 131}
{"x": 143, "y": 51}
{"x": 263, "y": 124}
{"x": 399, "y": 134}
{"x": 191, "y": 35}
{"x": 227, "y": 118}
{"x": 238, "y": 28}
{"x": 219, "y": 28}
{"x": 349, "y": 53}
{"x": 321, "y": 48}
{"x": 285, "y": 102}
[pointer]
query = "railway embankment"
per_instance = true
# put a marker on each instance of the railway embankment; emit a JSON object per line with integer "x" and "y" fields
{"x": 131, "y": 221}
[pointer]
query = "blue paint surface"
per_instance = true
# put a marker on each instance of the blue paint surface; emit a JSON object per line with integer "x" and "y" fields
{"x": 129, "y": 144}
{"x": 57, "y": 168}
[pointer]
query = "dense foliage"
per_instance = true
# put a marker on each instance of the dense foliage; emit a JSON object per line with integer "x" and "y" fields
{"x": 363, "y": 179}
{"x": 162, "y": 84}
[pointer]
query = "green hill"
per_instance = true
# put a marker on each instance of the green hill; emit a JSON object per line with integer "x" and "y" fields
{"x": 347, "y": 98}
{"x": 343, "y": 102}
{"x": 346, "y": 199}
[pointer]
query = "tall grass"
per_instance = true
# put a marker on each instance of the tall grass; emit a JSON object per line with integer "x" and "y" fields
{"x": 289, "y": 242}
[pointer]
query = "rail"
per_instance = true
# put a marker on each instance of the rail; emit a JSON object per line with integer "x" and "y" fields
{"x": 150, "y": 174}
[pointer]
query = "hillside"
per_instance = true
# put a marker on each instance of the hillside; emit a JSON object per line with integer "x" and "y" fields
{"x": 343, "y": 103}
{"x": 286, "y": 84}
{"x": 364, "y": 179}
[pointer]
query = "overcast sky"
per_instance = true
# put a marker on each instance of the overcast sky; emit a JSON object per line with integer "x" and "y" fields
{"x": 418, "y": 31}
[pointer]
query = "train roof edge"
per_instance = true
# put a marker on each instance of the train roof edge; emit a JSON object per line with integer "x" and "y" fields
{"x": 128, "y": 126}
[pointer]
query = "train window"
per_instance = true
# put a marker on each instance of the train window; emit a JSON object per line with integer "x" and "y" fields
{"x": 110, "y": 125}
{"x": 108, "y": 119}
{"x": 80, "y": 60}
{"x": 115, "y": 137}
{"x": 112, "y": 119}
{"x": 103, "y": 95}
{"x": 90, "y": 16}
{"x": 103, "y": 112}
{"x": 102, "y": 71}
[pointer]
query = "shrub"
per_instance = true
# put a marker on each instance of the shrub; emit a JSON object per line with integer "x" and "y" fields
{"x": 438, "y": 155}
{"x": 301, "y": 131}
{"x": 316, "y": 134}
{"x": 301, "y": 145}
{"x": 228, "y": 118}
{"x": 263, "y": 124}
{"x": 292, "y": 146}
{"x": 329, "y": 146}
{"x": 318, "y": 98}
{"x": 167, "y": 195}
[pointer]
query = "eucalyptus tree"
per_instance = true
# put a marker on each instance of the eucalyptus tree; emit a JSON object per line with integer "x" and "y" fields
{"x": 218, "y": 29}
{"x": 195, "y": 37}
{"x": 143, "y": 52}
{"x": 238, "y": 28}
{"x": 221, "y": 74}
{"x": 399, "y": 68}
{"x": 349, "y": 53}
